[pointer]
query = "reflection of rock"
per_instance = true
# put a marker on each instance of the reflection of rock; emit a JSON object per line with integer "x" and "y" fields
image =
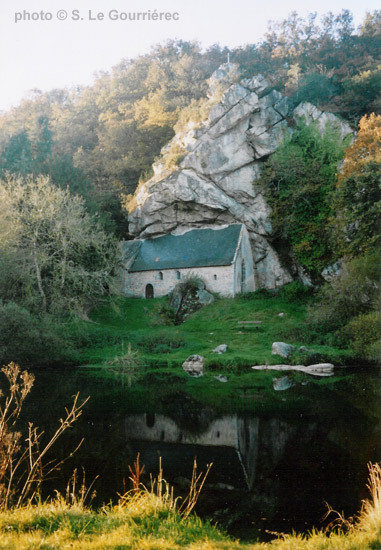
{"x": 194, "y": 365}
{"x": 320, "y": 369}
{"x": 282, "y": 384}
{"x": 262, "y": 444}
{"x": 282, "y": 349}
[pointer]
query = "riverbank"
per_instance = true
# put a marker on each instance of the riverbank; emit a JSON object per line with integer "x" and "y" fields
{"x": 147, "y": 521}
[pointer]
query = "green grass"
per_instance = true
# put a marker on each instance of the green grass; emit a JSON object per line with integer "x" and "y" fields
{"x": 126, "y": 321}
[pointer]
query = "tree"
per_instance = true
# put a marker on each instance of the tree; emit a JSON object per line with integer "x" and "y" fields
{"x": 371, "y": 25}
{"x": 357, "y": 201}
{"x": 299, "y": 179}
{"x": 70, "y": 261}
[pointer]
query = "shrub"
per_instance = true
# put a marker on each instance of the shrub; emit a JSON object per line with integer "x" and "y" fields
{"x": 189, "y": 284}
{"x": 27, "y": 338}
{"x": 354, "y": 292}
{"x": 364, "y": 332}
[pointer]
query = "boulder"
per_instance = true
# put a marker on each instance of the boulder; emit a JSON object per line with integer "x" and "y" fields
{"x": 220, "y": 349}
{"x": 187, "y": 297}
{"x": 194, "y": 366}
{"x": 282, "y": 349}
{"x": 221, "y": 378}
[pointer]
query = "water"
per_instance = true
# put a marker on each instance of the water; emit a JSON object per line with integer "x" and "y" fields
{"x": 273, "y": 470}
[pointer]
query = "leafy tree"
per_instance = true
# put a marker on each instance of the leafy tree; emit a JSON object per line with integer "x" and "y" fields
{"x": 355, "y": 291}
{"x": 371, "y": 25}
{"x": 16, "y": 156}
{"x": 68, "y": 259}
{"x": 299, "y": 179}
{"x": 357, "y": 201}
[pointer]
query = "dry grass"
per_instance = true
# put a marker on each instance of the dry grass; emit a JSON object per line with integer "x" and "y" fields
{"x": 149, "y": 520}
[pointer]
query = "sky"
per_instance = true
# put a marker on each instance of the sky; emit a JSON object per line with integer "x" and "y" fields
{"x": 47, "y": 44}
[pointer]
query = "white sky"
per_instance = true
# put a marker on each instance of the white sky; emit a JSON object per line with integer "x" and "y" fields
{"x": 56, "y": 54}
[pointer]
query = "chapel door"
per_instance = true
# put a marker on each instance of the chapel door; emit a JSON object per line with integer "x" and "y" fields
{"x": 149, "y": 291}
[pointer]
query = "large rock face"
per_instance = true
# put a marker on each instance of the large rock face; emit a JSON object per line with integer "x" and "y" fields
{"x": 214, "y": 183}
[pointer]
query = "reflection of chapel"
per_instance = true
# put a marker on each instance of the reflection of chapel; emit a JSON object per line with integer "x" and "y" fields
{"x": 221, "y": 256}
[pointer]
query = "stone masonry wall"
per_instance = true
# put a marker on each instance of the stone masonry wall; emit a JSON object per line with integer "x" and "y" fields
{"x": 217, "y": 279}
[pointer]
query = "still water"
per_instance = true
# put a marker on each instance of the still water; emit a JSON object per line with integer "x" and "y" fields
{"x": 273, "y": 470}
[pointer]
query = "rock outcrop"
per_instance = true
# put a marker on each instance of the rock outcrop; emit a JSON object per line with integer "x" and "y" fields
{"x": 282, "y": 349}
{"x": 214, "y": 182}
{"x": 188, "y": 297}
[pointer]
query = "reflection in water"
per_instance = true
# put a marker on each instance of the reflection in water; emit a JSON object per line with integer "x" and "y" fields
{"x": 282, "y": 464}
{"x": 281, "y": 468}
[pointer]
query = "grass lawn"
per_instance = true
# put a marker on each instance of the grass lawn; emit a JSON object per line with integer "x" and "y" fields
{"x": 136, "y": 321}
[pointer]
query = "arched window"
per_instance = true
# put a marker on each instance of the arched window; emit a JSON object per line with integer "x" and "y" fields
{"x": 178, "y": 275}
{"x": 161, "y": 276}
{"x": 215, "y": 277}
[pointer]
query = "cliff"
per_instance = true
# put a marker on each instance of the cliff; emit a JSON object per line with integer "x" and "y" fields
{"x": 219, "y": 165}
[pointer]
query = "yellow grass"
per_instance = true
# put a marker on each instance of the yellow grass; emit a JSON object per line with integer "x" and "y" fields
{"x": 145, "y": 521}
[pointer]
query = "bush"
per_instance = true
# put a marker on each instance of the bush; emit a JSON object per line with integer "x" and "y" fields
{"x": 161, "y": 342}
{"x": 26, "y": 338}
{"x": 355, "y": 291}
{"x": 364, "y": 332}
{"x": 295, "y": 291}
{"x": 189, "y": 284}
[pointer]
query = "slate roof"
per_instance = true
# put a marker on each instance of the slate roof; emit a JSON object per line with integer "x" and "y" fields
{"x": 195, "y": 248}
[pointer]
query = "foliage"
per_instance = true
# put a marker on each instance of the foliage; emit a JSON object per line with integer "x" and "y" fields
{"x": 28, "y": 338}
{"x": 63, "y": 253}
{"x": 299, "y": 179}
{"x": 355, "y": 291}
{"x": 127, "y": 365}
{"x": 24, "y": 458}
{"x": 357, "y": 200}
{"x": 366, "y": 147}
{"x": 364, "y": 333}
{"x": 190, "y": 283}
